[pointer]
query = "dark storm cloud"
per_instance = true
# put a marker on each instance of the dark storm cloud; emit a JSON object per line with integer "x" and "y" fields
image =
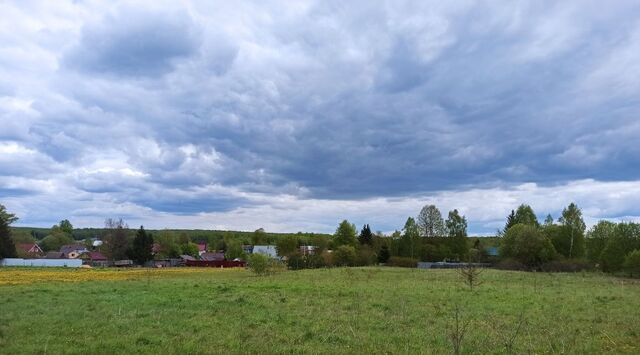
{"x": 222, "y": 103}
{"x": 134, "y": 42}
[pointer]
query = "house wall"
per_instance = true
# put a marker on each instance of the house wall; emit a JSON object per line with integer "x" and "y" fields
{"x": 41, "y": 262}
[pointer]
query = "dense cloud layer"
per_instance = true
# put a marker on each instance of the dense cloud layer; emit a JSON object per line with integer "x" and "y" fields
{"x": 294, "y": 115}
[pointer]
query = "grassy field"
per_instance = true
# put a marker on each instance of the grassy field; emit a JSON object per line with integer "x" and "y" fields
{"x": 347, "y": 310}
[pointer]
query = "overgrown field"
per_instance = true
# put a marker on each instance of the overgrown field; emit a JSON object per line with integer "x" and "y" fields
{"x": 343, "y": 310}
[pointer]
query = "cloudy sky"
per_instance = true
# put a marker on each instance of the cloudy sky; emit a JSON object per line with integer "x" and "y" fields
{"x": 295, "y": 115}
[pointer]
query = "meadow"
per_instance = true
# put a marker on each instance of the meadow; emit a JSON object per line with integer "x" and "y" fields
{"x": 325, "y": 311}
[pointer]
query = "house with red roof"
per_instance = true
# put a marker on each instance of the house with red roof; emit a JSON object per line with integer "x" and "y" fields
{"x": 29, "y": 250}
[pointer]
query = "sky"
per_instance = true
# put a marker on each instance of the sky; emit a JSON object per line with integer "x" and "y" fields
{"x": 293, "y": 116}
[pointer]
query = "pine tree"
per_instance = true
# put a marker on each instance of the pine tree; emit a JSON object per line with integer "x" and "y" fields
{"x": 142, "y": 250}
{"x": 366, "y": 237}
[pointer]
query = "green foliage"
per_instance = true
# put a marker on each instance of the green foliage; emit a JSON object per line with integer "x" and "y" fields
{"x": 365, "y": 255}
{"x": 54, "y": 241}
{"x": 7, "y": 247}
{"x": 259, "y": 237}
{"x": 597, "y": 239}
{"x": 525, "y": 215}
{"x": 234, "y": 250}
{"x": 430, "y": 222}
{"x": 287, "y": 245}
{"x": 366, "y": 237}
{"x": 409, "y": 242}
{"x": 141, "y": 251}
{"x": 345, "y": 234}
{"x": 66, "y": 227}
{"x": 625, "y": 238}
{"x": 567, "y": 241}
{"x": 632, "y": 263}
{"x": 572, "y": 220}
{"x": 526, "y": 244}
{"x": 190, "y": 249}
{"x": 384, "y": 254}
{"x": 260, "y": 264}
{"x": 457, "y": 227}
{"x": 167, "y": 242}
{"x": 344, "y": 255}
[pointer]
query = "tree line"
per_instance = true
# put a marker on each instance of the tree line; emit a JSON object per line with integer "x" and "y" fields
{"x": 523, "y": 243}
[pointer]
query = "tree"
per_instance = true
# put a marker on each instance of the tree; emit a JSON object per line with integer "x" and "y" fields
{"x": 457, "y": 227}
{"x": 430, "y": 222}
{"x": 511, "y": 221}
{"x": 366, "y": 237}
{"x": 632, "y": 263}
{"x": 66, "y": 227}
{"x": 7, "y": 248}
{"x": 526, "y": 244}
{"x": 525, "y": 215}
{"x": 259, "y": 237}
{"x": 167, "y": 246}
{"x": 55, "y": 240}
{"x": 115, "y": 241}
{"x": 142, "y": 250}
{"x": 625, "y": 239}
{"x": 190, "y": 249}
{"x": 548, "y": 220}
{"x": 384, "y": 254}
{"x": 234, "y": 250}
{"x": 344, "y": 255}
{"x": 597, "y": 239}
{"x": 456, "y": 224}
{"x": 287, "y": 245}
{"x": 409, "y": 241}
{"x": 345, "y": 234}
{"x": 572, "y": 218}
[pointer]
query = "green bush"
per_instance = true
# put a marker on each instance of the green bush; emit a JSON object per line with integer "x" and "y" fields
{"x": 632, "y": 263}
{"x": 366, "y": 256}
{"x": 260, "y": 264}
{"x": 344, "y": 255}
{"x": 400, "y": 261}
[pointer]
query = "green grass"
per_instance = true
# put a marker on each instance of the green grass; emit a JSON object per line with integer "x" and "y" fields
{"x": 347, "y": 310}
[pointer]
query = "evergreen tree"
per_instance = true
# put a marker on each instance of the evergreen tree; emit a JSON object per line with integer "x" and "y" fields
{"x": 366, "y": 237}
{"x": 511, "y": 221}
{"x": 383, "y": 255}
{"x": 7, "y": 248}
{"x": 548, "y": 221}
{"x": 142, "y": 250}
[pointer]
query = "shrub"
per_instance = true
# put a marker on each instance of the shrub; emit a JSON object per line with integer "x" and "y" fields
{"x": 366, "y": 256}
{"x": 260, "y": 264}
{"x": 344, "y": 255}
{"x": 400, "y": 261}
{"x": 632, "y": 263}
{"x": 327, "y": 258}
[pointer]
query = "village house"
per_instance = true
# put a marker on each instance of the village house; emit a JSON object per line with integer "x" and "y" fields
{"x": 29, "y": 250}
{"x": 73, "y": 251}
